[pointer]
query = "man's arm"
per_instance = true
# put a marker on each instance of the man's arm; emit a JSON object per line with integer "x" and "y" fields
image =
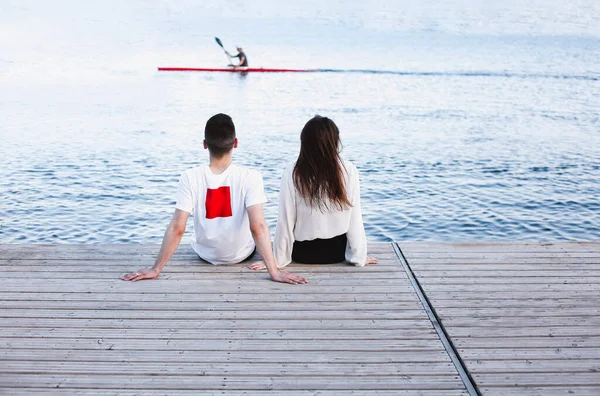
{"x": 262, "y": 238}
{"x": 171, "y": 240}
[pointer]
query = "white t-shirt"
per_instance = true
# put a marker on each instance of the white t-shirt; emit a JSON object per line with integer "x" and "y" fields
{"x": 298, "y": 221}
{"x": 218, "y": 205}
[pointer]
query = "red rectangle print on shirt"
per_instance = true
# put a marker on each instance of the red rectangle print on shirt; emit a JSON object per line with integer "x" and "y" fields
{"x": 218, "y": 202}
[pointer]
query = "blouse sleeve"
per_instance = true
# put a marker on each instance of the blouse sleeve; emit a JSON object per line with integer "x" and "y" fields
{"x": 286, "y": 222}
{"x": 356, "y": 248}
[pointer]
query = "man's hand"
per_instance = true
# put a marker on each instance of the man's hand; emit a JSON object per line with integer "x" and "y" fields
{"x": 371, "y": 260}
{"x": 145, "y": 273}
{"x": 280, "y": 276}
{"x": 286, "y": 277}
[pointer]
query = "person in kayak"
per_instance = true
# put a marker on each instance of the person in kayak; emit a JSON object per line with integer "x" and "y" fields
{"x": 242, "y": 57}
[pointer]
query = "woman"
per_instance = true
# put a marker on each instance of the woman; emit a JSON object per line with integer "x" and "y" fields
{"x": 320, "y": 220}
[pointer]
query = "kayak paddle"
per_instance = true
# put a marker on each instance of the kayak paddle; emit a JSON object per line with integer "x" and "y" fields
{"x": 221, "y": 45}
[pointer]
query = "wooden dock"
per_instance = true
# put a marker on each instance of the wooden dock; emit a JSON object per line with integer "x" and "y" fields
{"x": 430, "y": 319}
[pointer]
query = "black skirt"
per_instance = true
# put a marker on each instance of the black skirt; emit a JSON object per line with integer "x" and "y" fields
{"x": 320, "y": 251}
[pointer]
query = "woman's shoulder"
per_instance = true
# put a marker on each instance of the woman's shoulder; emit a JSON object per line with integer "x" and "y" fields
{"x": 348, "y": 164}
{"x": 289, "y": 169}
{"x": 349, "y": 167}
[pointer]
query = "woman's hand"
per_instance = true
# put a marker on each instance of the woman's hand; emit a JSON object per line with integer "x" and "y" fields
{"x": 145, "y": 273}
{"x": 371, "y": 260}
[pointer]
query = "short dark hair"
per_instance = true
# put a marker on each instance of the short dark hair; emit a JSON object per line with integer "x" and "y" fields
{"x": 219, "y": 134}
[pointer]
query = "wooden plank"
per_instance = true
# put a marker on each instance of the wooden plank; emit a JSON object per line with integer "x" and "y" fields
{"x": 253, "y": 285}
{"x": 531, "y": 288}
{"x": 175, "y": 356}
{"x": 524, "y": 331}
{"x": 185, "y": 267}
{"x": 530, "y": 246}
{"x": 259, "y": 369}
{"x": 181, "y": 392}
{"x": 201, "y": 306}
{"x": 483, "y": 275}
{"x": 375, "y": 277}
{"x": 542, "y": 391}
{"x": 141, "y": 313}
{"x": 483, "y": 281}
{"x": 234, "y": 334}
{"x": 562, "y": 354}
{"x": 518, "y": 311}
{"x": 533, "y": 366}
{"x": 493, "y": 263}
{"x": 583, "y": 341}
{"x": 539, "y": 321}
{"x": 499, "y": 257}
{"x": 262, "y": 287}
{"x": 518, "y": 265}
{"x": 248, "y": 281}
{"x": 251, "y": 381}
{"x": 240, "y": 324}
{"x": 556, "y": 303}
{"x": 537, "y": 379}
{"x": 517, "y": 295}
{"x": 224, "y": 298}
{"x": 221, "y": 344}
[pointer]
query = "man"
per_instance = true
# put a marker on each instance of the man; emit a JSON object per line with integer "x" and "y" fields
{"x": 226, "y": 203}
{"x": 241, "y": 56}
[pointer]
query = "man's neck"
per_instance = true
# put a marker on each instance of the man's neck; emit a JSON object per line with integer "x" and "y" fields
{"x": 218, "y": 165}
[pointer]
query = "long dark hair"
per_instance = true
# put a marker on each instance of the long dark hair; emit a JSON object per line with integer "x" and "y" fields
{"x": 318, "y": 174}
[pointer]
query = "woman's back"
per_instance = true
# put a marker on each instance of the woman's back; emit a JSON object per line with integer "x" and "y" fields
{"x": 313, "y": 222}
{"x": 320, "y": 220}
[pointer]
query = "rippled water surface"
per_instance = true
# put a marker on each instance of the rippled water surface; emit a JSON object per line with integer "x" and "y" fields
{"x": 486, "y": 127}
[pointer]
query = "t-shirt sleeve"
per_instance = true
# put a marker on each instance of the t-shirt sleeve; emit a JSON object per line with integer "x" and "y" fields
{"x": 255, "y": 190}
{"x": 185, "y": 199}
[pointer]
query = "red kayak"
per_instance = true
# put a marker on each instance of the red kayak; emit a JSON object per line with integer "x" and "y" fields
{"x": 237, "y": 70}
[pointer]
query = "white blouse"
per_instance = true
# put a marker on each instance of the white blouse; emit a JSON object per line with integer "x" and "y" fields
{"x": 298, "y": 221}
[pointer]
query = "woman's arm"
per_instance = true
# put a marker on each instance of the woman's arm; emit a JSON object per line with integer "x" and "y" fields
{"x": 356, "y": 248}
{"x": 286, "y": 221}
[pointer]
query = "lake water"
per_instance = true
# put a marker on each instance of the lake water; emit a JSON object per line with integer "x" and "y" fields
{"x": 487, "y": 127}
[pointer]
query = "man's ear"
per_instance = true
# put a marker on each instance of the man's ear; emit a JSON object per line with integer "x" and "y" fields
{"x": 235, "y": 143}
{"x": 205, "y": 145}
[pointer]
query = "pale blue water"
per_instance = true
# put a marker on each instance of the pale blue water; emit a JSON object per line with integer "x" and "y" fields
{"x": 486, "y": 128}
